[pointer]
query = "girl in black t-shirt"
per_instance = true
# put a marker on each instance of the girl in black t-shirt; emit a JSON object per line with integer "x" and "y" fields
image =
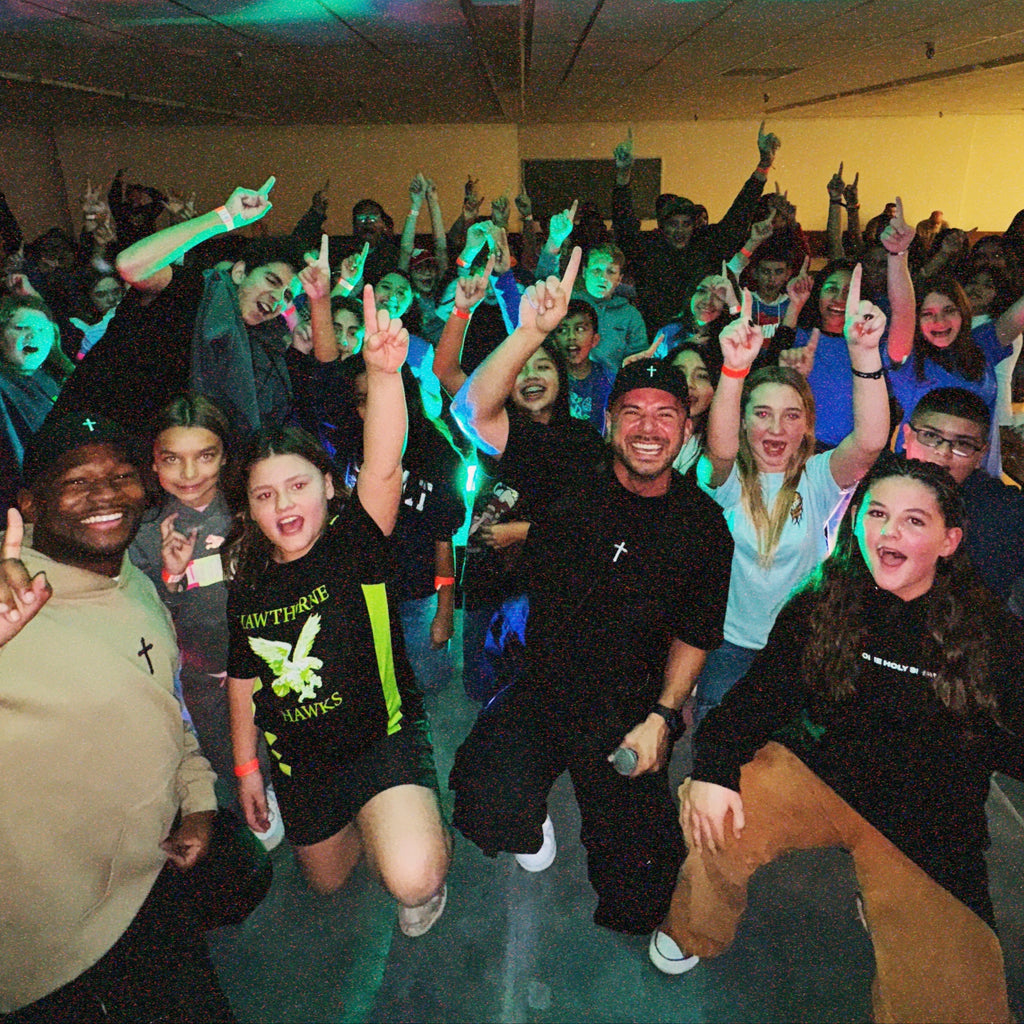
{"x": 316, "y": 653}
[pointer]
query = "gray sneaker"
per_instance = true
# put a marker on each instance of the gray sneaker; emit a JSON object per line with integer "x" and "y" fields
{"x": 417, "y": 921}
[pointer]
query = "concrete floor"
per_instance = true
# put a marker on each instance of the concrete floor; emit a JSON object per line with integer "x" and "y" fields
{"x": 513, "y": 946}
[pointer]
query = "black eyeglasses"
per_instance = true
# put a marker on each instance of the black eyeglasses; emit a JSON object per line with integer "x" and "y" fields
{"x": 962, "y": 447}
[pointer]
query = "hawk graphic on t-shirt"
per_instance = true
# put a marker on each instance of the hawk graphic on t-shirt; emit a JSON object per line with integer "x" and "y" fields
{"x": 293, "y": 674}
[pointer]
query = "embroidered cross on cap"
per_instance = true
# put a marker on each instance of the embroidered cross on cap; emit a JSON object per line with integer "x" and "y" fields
{"x": 650, "y": 373}
{"x": 68, "y": 433}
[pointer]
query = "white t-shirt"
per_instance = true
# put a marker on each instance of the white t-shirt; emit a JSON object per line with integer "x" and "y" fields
{"x": 756, "y": 594}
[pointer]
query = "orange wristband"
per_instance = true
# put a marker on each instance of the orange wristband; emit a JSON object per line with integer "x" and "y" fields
{"x": 241, "y": 770}
{"x": 462, "y": 314}
{"x": 728, "y": 371}
{"x": 443, "y": 581}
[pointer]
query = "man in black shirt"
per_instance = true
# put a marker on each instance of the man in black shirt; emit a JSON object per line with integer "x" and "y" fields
{"x": 617, "y": 634}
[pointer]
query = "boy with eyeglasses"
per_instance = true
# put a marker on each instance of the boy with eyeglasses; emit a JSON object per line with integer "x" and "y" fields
{"x": 950, "y": 427}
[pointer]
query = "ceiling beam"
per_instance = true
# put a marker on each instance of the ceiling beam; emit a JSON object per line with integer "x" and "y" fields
{"x": 580, "y": 41}
{"x": 901, "y": 83}
{"x": 485, "y": 65}
{"x": 526, "y": 10}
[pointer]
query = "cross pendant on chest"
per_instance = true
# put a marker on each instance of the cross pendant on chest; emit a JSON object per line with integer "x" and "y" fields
{"x": 620, "y": 549}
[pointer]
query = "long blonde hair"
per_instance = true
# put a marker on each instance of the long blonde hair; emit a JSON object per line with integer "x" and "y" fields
{"x": 769, "y": 525}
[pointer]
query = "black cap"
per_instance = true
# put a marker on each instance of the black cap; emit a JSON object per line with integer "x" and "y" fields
{"x": 73, "y": 431}
{"x": 677, "y": 205}
{"x": 651, "y": 373}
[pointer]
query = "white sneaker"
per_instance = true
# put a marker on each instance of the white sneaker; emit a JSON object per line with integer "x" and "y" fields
{"x": 272, "y": 837}
{"x": 417, "y": 921}
{"x": 545, "y": 856}
{"x": 666, "y": 955}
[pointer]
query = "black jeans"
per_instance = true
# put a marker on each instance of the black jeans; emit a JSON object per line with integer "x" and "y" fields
{"x": 505, "y": 769}
{"x": 158, "y": 971}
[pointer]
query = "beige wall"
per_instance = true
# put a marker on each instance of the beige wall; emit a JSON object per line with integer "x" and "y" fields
{"x": 969, "y": 167}
{"x": 31, "y": 178}
{"x": 376, "y": 161}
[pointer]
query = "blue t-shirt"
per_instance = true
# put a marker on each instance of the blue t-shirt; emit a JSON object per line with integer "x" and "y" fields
{"x": 588, "y": 398}
{"x": 909, "y": 390}
{"x": 831, "y": 380}
{"x": 756, "y": 594}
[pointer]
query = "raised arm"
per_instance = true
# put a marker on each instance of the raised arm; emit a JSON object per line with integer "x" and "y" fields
{"x": 740, "y": 341}
{"x": 21, "y": 595}
{"x": 625, "y": 222}
{"x": 480, "y": 404}
{"x": 729, "y": 232}
{"x": 896, "y": 238}
{"x": 760, "y": 232}
{"x": 834, "y": 225}
{"x": 467, "y": 217}
{"x": 437, "y": 228}
{"x": 854, "y": 244}
{"x": 145, "y": 264}
{"x": 311, "y": 223}
{"x": 385, "y": 347}
{"x": 417, "y": 193}
{"x": 531, "y": 231}
{"x": 559, "y": 229}
{"x": 316, "y": 283}
{"x": 469, "y": 293}
{"x": 865, "y": 325}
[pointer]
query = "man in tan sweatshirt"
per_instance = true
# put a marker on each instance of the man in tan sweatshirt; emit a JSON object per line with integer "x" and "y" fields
{"x": 96, "y": 762}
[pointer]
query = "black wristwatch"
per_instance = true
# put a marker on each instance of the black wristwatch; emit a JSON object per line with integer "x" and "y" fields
{"x": 673, "y": 718}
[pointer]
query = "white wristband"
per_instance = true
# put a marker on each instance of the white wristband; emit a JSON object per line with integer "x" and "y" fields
{"x": 229, "y": 221}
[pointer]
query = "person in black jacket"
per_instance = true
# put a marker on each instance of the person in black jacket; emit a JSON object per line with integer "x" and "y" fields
{"x": 668, "y": 263}
{"x": 886, "y": 695}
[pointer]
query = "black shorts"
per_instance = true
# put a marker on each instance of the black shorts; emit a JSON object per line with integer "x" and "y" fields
{"x": 316, "y": 805}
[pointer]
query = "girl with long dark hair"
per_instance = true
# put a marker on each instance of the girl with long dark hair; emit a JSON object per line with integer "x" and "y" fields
{"x": 887, "y": 694}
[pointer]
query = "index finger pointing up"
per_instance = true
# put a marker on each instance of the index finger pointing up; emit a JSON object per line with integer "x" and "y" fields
{"x": 747, "y": 306}
{"x": 13, "y": 537}
{"x": 853, "y": 298}
{"x": 369, "y": 310}
{"x": 325, "y": 244}
{"x": 899, "y": 209}
{"x": 569, "y": 277}
{"x": 572, "y": 210}
{"x": 840, "y": 168}
{"x": 265, "y": 188}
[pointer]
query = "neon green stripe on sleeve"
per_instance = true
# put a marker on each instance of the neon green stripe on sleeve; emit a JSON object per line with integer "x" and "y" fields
{"x": 376, "y": 597}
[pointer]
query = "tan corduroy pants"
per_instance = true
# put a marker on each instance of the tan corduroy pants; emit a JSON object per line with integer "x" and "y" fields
{"x": 935, "y": 959}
